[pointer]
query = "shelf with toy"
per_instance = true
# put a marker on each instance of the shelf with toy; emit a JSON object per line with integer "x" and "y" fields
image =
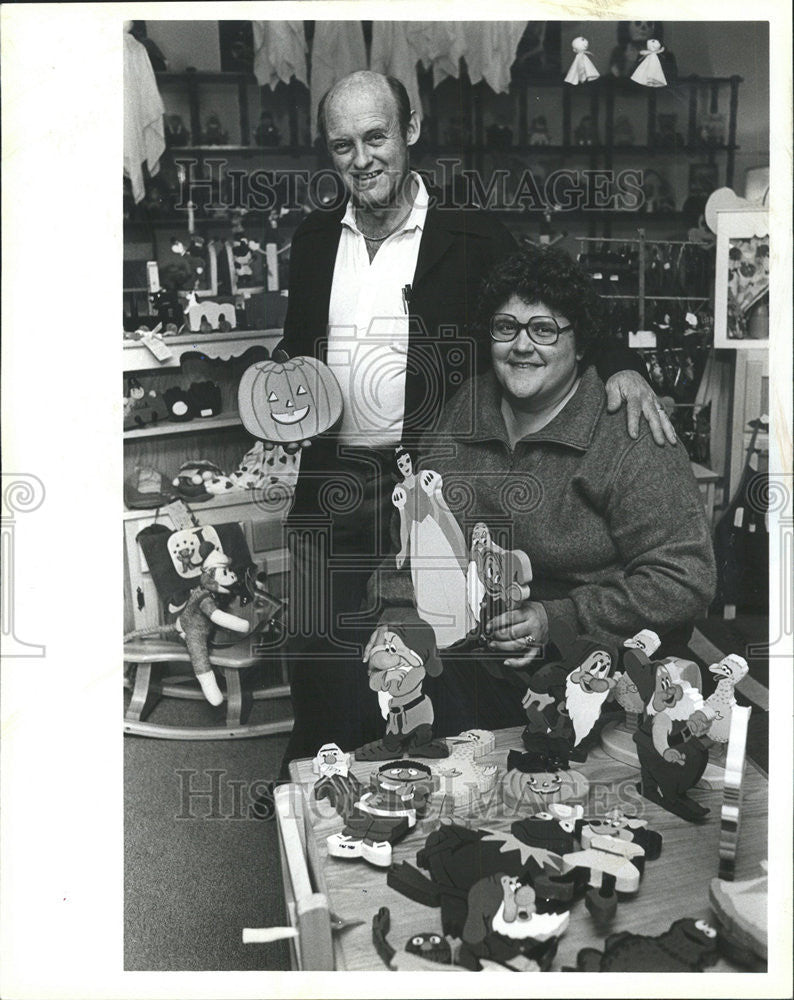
{"x": 167, "y": 428}
{"x": 217, "y": 345}
{"x": 223, "y": 501}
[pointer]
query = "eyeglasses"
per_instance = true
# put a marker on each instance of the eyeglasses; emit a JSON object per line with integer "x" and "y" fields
{"x": 543, "y": 330}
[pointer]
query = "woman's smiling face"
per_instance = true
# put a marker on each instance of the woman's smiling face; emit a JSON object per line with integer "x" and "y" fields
{"x": 534, "y": 376}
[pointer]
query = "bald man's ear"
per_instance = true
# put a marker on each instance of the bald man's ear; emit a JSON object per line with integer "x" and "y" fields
{"x": 414, "y": 128}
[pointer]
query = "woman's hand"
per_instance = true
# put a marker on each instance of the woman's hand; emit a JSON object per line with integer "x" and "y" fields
{"x": 523, "y": 630}
{"x": 630, "y": 387}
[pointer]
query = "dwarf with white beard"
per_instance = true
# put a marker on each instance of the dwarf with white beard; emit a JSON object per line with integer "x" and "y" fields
{"x": 672, "y": 759}
{"x": 586, "y": 689}
{"x": 503, "y": 925}
{"x": 564, "y": 697}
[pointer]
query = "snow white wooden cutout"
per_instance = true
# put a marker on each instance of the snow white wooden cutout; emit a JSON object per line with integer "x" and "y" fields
{"x": 432, "y": 538}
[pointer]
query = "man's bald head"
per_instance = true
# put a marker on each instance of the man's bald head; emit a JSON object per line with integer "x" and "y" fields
{"x": 368, "y": 82}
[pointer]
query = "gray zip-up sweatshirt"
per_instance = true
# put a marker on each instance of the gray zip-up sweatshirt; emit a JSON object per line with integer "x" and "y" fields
{"x": 615, "y": 528}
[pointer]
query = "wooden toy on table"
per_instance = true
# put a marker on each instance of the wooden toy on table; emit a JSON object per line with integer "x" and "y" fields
{"x": 463, "y": 781}
{"x": 427, "y": 951}
{"x": 618, "y": 826}
{"x": 617, "y": 738}
{"x": 564, "y": 698}
{"x": 688, "y": 946}
{"x": 331, "y": 759}
{"x": 335, "y": 783}
{"x": 399, "y": 656}
{"x": 618, "y": 863}
{"x": 731, "y": 670}
{"x": 523, "y": 793}
{"x": 553, "y": 828}
{"x": 398, "y": 795}
{"x": 503, "y": 925}
{"x": 671, "y": 757}
{"x": 455, "y": 857}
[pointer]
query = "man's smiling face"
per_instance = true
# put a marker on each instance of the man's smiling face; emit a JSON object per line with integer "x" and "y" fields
{"x": 366, "y": 145}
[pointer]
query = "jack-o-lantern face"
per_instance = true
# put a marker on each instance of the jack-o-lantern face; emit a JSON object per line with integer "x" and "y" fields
{"x": 289, "y": 401}
{"x": 536, "y": 791}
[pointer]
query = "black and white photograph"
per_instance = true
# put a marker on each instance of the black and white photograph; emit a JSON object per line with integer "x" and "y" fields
{"x": 397, "y": 500}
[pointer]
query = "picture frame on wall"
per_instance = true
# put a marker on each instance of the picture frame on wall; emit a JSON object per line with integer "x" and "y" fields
{"x": 741, "y": 290}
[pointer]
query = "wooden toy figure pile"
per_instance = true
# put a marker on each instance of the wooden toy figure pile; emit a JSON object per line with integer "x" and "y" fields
{"x": 505, "y": 898}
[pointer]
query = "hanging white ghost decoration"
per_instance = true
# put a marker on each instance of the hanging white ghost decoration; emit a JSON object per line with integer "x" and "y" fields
{"x": 582, "y": 68}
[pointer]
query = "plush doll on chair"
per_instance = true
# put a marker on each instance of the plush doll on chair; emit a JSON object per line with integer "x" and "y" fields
{"x": 204, "y": 610}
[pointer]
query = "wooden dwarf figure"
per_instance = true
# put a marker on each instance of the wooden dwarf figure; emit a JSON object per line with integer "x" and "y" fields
{"x": 564, "y": 698}
{"x": 627, "y": 693}
{"x": 504, "y": 924}
{"x": 399, "y": 656}
{"x": 672, "y": 758}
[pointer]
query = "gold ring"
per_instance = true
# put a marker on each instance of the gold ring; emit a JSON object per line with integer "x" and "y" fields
{"x": 529, "y": 640}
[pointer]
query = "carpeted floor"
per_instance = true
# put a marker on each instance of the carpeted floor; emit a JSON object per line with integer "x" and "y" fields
{"x": 201, "y": 867}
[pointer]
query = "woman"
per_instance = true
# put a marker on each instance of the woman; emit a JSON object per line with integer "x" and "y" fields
{"x": 615, "y": 528}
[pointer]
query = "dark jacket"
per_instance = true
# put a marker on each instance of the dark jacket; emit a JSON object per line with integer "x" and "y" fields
{"x": 457, "y": 249}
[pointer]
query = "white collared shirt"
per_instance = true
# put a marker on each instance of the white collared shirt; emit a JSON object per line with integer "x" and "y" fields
{"x": 368, "y": 326}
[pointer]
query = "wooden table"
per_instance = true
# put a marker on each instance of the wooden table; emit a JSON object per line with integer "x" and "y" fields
{"x": 673, "y": 886}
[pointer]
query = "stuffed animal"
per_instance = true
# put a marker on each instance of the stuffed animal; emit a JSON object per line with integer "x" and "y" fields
{"x": 175, "y": 132}
{"x": 192, "y": 479}
{"x": 142, "y": 407}
{"x": 539, "y": 132}
{"x": 203, "y": 610}
{"x": 214, "y": 134}
{"x": 585, "y": 133}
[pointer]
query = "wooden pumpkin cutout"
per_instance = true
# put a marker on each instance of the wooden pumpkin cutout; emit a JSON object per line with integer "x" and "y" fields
{"x": 289, "y": 401}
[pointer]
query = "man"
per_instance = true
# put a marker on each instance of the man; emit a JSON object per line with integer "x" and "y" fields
{"x": 383, "y": 289}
